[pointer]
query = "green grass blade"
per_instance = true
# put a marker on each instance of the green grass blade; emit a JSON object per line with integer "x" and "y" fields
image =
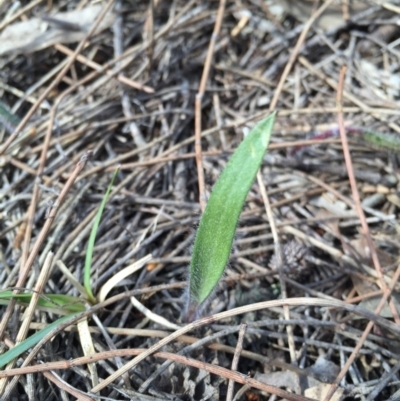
{"x": 217, "y": 227}
{"x": 58, "y": 302}
{"x": 9, "y": 120}
{"x": 384, "y": 140}
{"x": 30, "y": 341}
{"x": 92, "y": 239}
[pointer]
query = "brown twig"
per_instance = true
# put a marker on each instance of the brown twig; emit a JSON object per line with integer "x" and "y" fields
{"x": 233, "y": 312}
{"x": 214, "y": 369}
{"x": 155, "y": 204}
{"x": 95, "y": 66}
{"x": 198, "y": 104}
{"x": 296, "y": 51}
{"x": 216, "y": 153}
{"x": 346, "y": 94}
{"x": 42, "y": 236}
{"x": 362, "y": 339}
{"x": 26, "y": 262}
{"x": 148, "y": 32}
{"x": 24, "y": 328}
{"x": 56, "y": 80}
{"x": 356, "y": 197}
{"x": 49, "y": 376}
{"x": 357, "y": 203}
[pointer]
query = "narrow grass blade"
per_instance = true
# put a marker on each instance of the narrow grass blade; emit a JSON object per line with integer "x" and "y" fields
{"x": 30, "y": 342}
{"x": 54, "y": 301}
{"x": 384, "y": 140}
{"x": 217, "y": 227}
{"x": 9, "y": 120}
{"x": 92, "y": 239}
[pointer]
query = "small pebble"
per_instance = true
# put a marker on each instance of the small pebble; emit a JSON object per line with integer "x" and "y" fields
{"x": 389, "y": 180}
{"x": 382, "y": 189}
{"x": 374, "y": 200}
{"x": 367, "y": 189}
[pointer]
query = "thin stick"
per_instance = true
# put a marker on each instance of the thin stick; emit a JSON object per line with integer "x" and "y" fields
{"x": 172, "y": 149}
{"x": 51, "y": 376}
{"x": 384, "y": 381}
{"x": 205, "y": 321}
{"x": 296, "y": 51}
{"x": 43, "y": 158}
{"x": 95, "y": 66}
{"x": 279, "y": 256}
{"x": 199, "y": 97}
{"x": 214, "y": 369}
{"x": 354, "y": 99}
{"x": 212, "y": 319}
{"x": 387, "y": 291}
{"x": 43, "y": 234}
{"x": 193, "y": 341}
{"x": 24, "y": 328}
{"x": 178, "y": 157}
{"x": 148, "y": 33}
{"x": 235, "y": 360}
{"x": 46, "y": 142}
{"x": 356, "y": 196}
{"x": 362, "y": 339}
{"x": 57, "y": 79}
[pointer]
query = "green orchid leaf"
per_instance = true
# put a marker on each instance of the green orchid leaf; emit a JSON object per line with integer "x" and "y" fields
{"x": 217, "y": 227}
